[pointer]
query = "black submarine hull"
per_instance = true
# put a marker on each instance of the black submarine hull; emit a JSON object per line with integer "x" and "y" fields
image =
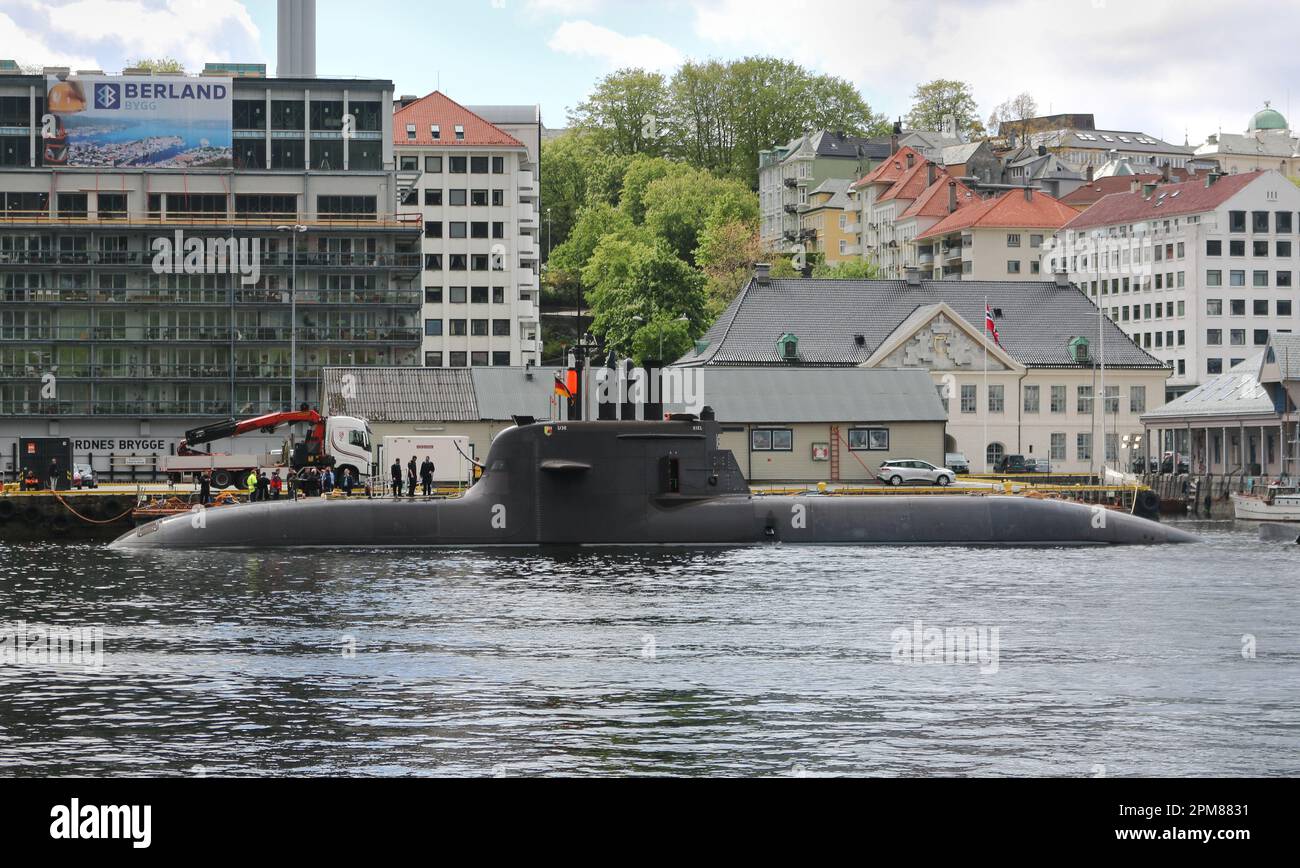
{"x": 632, "y": 484}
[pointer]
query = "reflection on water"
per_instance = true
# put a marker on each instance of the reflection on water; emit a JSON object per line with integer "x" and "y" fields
{"x": 764, "y": 661}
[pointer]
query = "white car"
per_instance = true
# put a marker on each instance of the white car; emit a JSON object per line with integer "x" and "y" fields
{"x": 911, "y": 470}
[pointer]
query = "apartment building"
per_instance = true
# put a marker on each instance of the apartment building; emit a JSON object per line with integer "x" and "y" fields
{"x": 788, "y": 175}
{"x": 995, "y": 239}
{"x": 1075, "y": 137}
{"x": 1200, "y": 273}
{"x": 830, "y": 225}
{"x": 473, "y": 188}
{"x": 115, "y": 329}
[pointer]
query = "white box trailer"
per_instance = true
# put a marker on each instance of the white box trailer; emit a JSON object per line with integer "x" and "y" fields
{"x": 452, "y": 464}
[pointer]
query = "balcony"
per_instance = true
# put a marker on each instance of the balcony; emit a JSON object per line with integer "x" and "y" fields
{"x": 526, "y": 278}
{"x": 530, "y": 345}
{"x": 851, "y": 250}
{"x": 527, "y": 248}
{"x": 263, "y": 223}
{"x": 791, "y": 182}
{"x": 220, "y": 334}
{"x": 527, "y": 310}
{"x": 528, "y": 218}
{"x": 527, "y": 186}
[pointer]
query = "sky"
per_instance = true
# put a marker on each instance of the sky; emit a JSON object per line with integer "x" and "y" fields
{"x": 1169, "y": 68}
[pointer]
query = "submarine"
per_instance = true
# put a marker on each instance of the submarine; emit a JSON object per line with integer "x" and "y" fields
{"x": 633, "y": 483}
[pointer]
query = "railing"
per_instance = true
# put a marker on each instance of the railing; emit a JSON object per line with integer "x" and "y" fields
{"x": 141, "y": 371}
{"x": 411, "y": 221}
{"x": 219, "y": 297}
{"x": 210, "y": 334}
{"x": 139, "y": 258}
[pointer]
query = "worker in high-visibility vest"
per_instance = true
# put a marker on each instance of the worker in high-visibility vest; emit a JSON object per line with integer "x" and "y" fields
{"x": 251, "y": 483}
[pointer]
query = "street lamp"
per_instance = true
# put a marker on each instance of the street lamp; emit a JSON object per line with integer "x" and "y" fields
{"x": 296, "y": 229}
{"x": 640, "y": 319}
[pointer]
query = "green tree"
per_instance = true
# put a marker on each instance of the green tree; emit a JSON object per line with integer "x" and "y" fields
{"x": 853, "y": 269}
{"x": 625, "y": 113}
{"x": 160, "y": 65}
{"x": 1011, "y": 116}
{"x": 726, "y": 255}
{"x": 663, "y": 339}
{"x": 565, "y": 165}
{"x": 678, "y": 207}
{"x": 633, "y": 283}
{"x": 940, "y": 103}
{"x": 640, "y": 174}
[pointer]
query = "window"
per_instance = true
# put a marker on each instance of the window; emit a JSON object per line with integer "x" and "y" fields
{"x": 1214, "y": 337}
{"x": 1237, "y": 337}
{"x": 433, "y": 229}
{"x": 1214, "y": 278}
{"x": 1237, "y": 248}
{"x": 498, "y": 198}
{"x": 1083, "y": 404}
{"x": 478, "y": 165}
{"x": 1214, "y": 307}
{"x": 478, "y": 328}
{"x": 1035, "y": 241}
{"x": 968, "y": 399}
{"x": 1058, "y": 399}
{"x": 457, "y": 327}
{"x": 478, "y": 198}
{"x": 1258, "y": 221}
{"x": 433, "y": 165}
{"x": 1214, "y": 366}
{"x": 457, "y": 262}
{"x": 498, "y": 295}
{"x": 1261, "y": 337}
{"x": 410, "y": 164}
{"x": 1282, "y": 222}
{"x": 1013, "y": 239}
{"x": 1236, "y": 278}
{"x": 435, "y": 133}
{"x": 433, "y": 295}
{"x": 498, "y": 230}
{"x": 501, "y": 359}
{"x": 1137, "y": 399}
{"x": 1213, "y": 247}
{"x": 346, "y": 206}
{"x": 287, "y": 114}
{"x": 869, "y": 439}
{"x": 410, "y": 135}
{"x": 459, "y": 360}
{"x": 1284, "y": 307}
{"x": 457, "y": 165}
{"x": 460, "y": 133}
{"x": 1283, "y": 249}
{"x": 498, "y": 165}
{"x": 433, "y": 197}
{"x": 326, "y": 114}
{"x": 433, "y": 262}
{"x": 772, "y": 440}
{"x": 1058, "y": 447}
{"x": 1282, "y": 279}
{"x": 1013, "y": 266}
{"x": 1031, "y": 399}
{"x": 456, "y": 229}
{"x": 456, "y": 197}
{"x": 997, "y": 398}
{"x": 1260, "y": 307}
{"x": 994, "y": 453}
{"x": 1112, "y": 447}
{"x": 500, "y": 328}
{"x": 1083, "y": 447}
{"x": 1259, "y": 248}
{"x": 433, "y": 360}
{"x": 1237, "y": 307}
{"x": 457, "y": 294}
{"x": 1236, "y": 221}
{"x": 433, "y": 328}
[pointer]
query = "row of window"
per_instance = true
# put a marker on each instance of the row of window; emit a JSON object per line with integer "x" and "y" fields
{"x": 114, "y": 205}
{"x": 782, "y": 440}
{"x": 1237, "y": 247}
{"x": 1259, "y": 221}
{"x": 1258, "y": 278}
{"x": 292, "y": 114}
{"x": 433, "y": 328}
{"x": 1237, "y": 307}
{"x": 457, "y": 198}
{"x": 461, "y": 229}
{"x": 463, "y": 359}
{"x": 1236, "y": 337}
{"x": 1057, "y": 399}
{"x": 464, "y": 262}
{"x": 455, "y": 165}
{"x": 463, "y": 295}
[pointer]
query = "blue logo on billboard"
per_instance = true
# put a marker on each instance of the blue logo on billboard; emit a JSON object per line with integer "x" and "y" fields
{"x": 108, "y": 96}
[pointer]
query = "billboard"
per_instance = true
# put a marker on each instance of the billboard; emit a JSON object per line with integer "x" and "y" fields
{"x": 155, "y": 122}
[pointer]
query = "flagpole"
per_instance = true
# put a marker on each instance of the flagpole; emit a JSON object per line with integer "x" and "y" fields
{"x": 986, "y": 385}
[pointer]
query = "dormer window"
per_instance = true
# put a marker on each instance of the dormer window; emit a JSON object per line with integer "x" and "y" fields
{"x": 435, "y": 131}
{"x": 410, "y": 132}
{"x": 787, "y": 347}
{"x": 460, "y": 133}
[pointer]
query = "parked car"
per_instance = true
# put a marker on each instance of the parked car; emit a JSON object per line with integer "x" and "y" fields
{"x": 957, "y": 462}
{"x": 1042, "y": 465}
{"x": 1014, "y": 464}
{"x": 910, "y": 470}
{"x": 83, "y": 476}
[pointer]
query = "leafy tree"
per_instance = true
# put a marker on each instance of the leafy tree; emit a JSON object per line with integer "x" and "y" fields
{"x": 940, "y": 102}
{"x": 625, "y": 113}
{"x": 678, "y": 208}
{"x": 853, "y": 269}
{"x": 566, "y": 161}
{"x": 663, "y": 339}
{"x": 630, "y": 279}
{"x": 726, "y": 255}
{"x": 160, "y": 65}
{"x": 641, "y": 173}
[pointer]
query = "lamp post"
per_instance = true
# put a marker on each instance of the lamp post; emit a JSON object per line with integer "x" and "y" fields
{"x": 296, "y": 229}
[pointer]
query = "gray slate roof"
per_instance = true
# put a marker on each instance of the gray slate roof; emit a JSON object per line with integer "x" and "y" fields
{"x": 1236, "y": 393}
{"x": 796, "y": 395}
{"x": 1038, "y": 321}
{"x": 1286, "y": 348}
{"x": 437, "y": 394}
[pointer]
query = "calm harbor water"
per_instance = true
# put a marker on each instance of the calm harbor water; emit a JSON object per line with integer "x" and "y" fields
{"x": 763, "y": 662}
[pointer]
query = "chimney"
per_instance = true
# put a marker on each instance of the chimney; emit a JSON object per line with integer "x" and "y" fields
{"x": 1062, "y": 279}
{"x": 1165, "y": 172}
{"x": 893, "y": 144}
{"x": 1029, "y": 194}
{"x": 295, "y": 34}
{"x": 763, "y": 273}
{"x": 1135, "y": 186}
{"x": 952, "y": 196}
{"x": 911, "y": 160}
{"x": 912, "y": 275}
{"x": 1212, "y": 178}
{"x": 930, "y": 174}
{"x": 1090, "y": 174}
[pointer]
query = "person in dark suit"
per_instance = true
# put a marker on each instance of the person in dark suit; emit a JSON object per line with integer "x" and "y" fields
{"x": 54, "y": 474}
{"x": 205, "y": 489}
{"x": 412, "y": 473}
{"x": 426, "y": 476}
{"x": 396, "y": 471}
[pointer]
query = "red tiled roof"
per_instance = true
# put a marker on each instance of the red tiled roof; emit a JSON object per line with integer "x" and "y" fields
{"x": 1098, "y": 189}
{"x": 890, "y": 170}
{"x": 934, "y": 201}
{"x": 911, "y": 184}
{"x": 1011, "y": 210}
{"x": 438, "y": 108}
{"x": 1189, "y": 197}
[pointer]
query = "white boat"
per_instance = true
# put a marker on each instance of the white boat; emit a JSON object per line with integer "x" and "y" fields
{"x": 1276, "y": 504}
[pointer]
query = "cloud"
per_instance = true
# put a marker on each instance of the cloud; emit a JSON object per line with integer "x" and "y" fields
{"x": 30, "y": 49}
{"x": 562, "y": 7}
{"x": 1158, "y": 67}
{"x": 118, "y": 31}
{"x": 584, "y": 39}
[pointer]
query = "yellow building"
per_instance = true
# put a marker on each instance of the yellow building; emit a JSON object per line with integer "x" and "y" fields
{"x": 830, "y": 223}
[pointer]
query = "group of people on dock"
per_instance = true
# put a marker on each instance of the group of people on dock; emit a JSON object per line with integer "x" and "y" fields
{"x": 422, "y": 472}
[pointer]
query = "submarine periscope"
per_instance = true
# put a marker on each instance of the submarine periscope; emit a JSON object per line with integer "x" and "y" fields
{"x": 642, "y": 483}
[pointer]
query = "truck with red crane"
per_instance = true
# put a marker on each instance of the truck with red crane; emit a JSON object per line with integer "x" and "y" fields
{"x": 341, "y": 442}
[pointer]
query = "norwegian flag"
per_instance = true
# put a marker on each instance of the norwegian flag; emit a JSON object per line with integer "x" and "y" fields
{"x": 990, "y": 326}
